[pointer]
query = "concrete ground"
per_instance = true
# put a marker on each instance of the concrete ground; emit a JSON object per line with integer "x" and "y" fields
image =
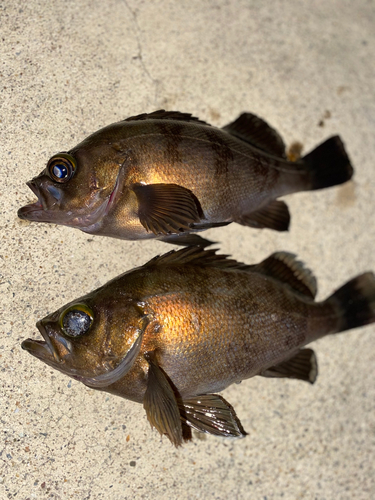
{"x": 69, "y": 68}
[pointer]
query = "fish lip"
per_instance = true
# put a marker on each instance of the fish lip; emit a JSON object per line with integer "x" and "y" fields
{"x": 44, "y": 209}
{"x": 34, "y": 211}
{"x": 34, "y": 188}
{"x": 31, "y": 212}
{"x": 42, "y": 349}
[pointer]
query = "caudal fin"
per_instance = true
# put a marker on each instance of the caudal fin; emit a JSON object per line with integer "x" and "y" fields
{"x": 328, "y": 164}
{"x": 356, "y": 302}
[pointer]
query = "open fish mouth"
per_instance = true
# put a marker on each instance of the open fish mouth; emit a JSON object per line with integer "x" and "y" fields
{"x": 48, "y": 208}
{"x": 32, "y": 212}
{"x": 35, "y": 211}
{"x": 42, "y": 349}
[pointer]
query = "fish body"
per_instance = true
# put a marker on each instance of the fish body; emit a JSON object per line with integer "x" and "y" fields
{"x": 167, "y": 174}
{"x": 190, "y": 323}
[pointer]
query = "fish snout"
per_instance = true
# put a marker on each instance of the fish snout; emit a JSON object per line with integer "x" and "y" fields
{"x": 55, "y": 342}
{"x": 33, "y": 186}
{"x": 48, "y": 199}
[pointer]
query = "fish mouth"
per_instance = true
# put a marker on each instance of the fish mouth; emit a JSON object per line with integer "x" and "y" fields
{"x": 35, "y": 211}
{"x": 48, "y": 208}
{"x": 43, "y": 349}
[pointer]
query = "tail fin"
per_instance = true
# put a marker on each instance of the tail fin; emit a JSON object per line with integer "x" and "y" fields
{"x": 329, "y": 164}
{"x": 356, "y": 302}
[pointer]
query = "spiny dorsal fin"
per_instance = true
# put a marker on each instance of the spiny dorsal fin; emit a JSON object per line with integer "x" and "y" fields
{"x": 197, "y": 256}
{"x": 285, "y": 268}
{"x": 258, "y": 133}
{"x": 161, "y": 114}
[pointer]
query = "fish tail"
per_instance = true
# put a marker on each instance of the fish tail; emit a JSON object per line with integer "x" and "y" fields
{"x": 355, "y": 302}
{"x": 329, "y": 164}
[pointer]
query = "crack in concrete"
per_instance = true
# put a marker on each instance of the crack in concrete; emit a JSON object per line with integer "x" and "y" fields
{"x": 139, "y": 56}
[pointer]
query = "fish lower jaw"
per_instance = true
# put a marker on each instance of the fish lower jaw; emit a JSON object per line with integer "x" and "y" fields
{"x": 32, "y": 212}
{"x": 35, "y": 212}
{"x": 43, "y": 349}
{"x": 40, "y": 349}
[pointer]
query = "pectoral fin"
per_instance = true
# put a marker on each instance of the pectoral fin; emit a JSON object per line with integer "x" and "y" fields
{"x": 160, "y": 403}
{"x": 210, "y": 413}
{"x": 166, "y": 208}
{"x": 302, "y": 366}
{"x": 275, "y": 216}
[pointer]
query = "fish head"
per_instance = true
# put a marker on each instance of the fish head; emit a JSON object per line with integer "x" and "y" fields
{"x": 92, "y": 340}
{"x": 75, "y": 188}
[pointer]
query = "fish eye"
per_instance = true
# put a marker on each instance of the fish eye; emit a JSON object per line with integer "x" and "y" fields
{"x": 61, "y": 167}
{"x": 76, "y": 320}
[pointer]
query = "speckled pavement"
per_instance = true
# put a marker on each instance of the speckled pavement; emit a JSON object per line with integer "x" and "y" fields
{"x": 69, "y": 68}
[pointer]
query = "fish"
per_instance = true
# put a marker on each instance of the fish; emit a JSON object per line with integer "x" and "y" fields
{"x": 169, "y": 175}
{"x": 174, "y": 332}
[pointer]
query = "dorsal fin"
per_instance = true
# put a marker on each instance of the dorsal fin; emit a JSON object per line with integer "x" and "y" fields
{"x": 281, "y": 266}
{"x": 197, "y": 256}
{"x": 285, "y": 268}
{"x": 258, "y": 133}
{"x": 161, "y": 114}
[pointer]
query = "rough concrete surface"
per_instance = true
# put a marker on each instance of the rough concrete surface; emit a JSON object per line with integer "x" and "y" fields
{"x": 71, "y": 67}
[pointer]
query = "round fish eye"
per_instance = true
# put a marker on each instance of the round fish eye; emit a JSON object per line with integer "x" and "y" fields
{"x": 61, "y": 167}
{"x": 76, "y": 320}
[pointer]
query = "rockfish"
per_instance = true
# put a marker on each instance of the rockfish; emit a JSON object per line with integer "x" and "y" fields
{"x": 172, "y": 333}
{"x": 167, "y": 174}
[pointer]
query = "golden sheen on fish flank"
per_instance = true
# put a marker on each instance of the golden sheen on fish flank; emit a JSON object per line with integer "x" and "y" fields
{"x": 190, "y": 323}
{"x": 167, "y": 174}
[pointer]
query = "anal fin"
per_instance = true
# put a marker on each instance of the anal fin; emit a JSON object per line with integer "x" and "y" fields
{"x": 275, "y": 216}
{"x": 211, "y": 414}
{"x": 302, "y": 366}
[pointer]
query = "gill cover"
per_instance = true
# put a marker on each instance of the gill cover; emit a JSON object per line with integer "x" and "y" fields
{"x": 106, "y": 379}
